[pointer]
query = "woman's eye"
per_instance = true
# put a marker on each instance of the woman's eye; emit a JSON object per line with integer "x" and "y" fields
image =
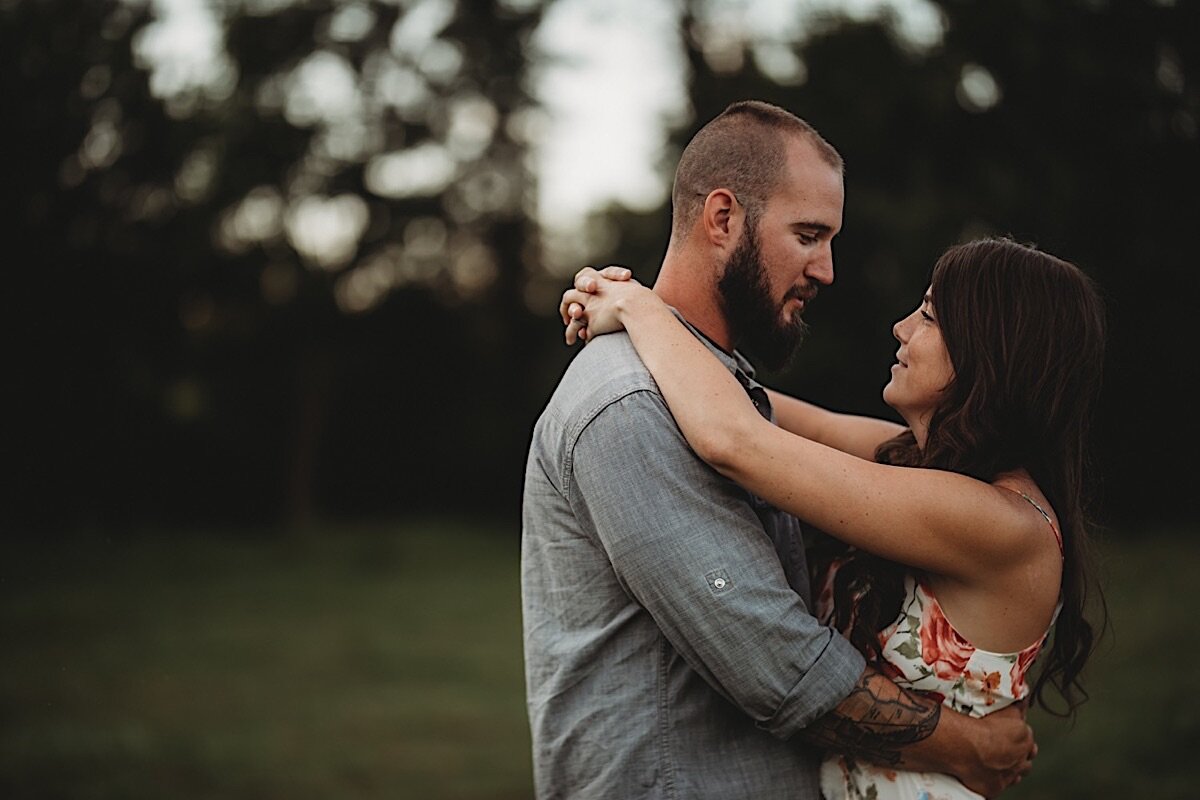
{"x": 926, "y": 316}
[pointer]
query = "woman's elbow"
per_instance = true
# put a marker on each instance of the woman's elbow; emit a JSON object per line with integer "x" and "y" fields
{"x": 721, "y": 446}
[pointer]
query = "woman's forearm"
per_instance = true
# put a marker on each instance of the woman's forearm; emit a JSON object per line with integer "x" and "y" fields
{"x": 942, "y": 522}
{"x": 851, "y": 433}
{"x": 706, "y": 400}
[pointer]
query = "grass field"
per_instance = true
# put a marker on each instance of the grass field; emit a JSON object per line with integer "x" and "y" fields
{"x": 384, "y": 661}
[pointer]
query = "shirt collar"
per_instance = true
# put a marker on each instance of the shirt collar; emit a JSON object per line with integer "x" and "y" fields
{"x": 736, "y": 363}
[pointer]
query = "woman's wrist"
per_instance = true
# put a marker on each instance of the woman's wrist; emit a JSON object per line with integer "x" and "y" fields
{"x": 636, "y": 304}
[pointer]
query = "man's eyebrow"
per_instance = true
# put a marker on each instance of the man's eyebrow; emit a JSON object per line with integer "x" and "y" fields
{"x": 820, "y": 227}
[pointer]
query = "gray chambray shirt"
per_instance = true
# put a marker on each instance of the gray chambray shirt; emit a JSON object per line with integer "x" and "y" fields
{"x": 669, "y": 648}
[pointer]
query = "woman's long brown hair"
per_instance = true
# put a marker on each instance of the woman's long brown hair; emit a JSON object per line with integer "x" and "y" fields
{"x": 1026, "y": 334}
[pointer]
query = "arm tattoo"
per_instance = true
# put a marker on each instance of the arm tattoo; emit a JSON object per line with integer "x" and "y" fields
{"x": 875, "y": 721}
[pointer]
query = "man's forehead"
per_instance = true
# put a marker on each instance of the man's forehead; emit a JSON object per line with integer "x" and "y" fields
{"x": 811, "y": 201}
{"x": 803, "y": 148}
{"x": 805, "y": 165}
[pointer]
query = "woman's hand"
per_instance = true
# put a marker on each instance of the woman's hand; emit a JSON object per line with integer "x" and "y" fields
{"x": 593, "y": 305}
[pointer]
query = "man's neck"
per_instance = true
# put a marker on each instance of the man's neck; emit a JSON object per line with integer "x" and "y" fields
{"x": 698, "y": 302}
{"x": 726, "y": 350}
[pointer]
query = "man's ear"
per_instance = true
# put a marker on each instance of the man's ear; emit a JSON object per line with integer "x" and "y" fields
{"x": 722, "y": 218}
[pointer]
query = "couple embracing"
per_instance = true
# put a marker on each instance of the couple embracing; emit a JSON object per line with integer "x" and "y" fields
{"x": 732, "y": 593}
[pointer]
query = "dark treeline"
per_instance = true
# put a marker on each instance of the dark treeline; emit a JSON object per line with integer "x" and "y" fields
{"x": 187, "y": 350}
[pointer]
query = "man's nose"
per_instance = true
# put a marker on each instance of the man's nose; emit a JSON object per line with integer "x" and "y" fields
{"x": 820, "y": 269}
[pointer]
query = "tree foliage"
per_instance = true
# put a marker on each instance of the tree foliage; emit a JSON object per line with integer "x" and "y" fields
{"x": 1069, "y": 125}
{"x": 269, "y": 284}
{"x": 299, "y": 280}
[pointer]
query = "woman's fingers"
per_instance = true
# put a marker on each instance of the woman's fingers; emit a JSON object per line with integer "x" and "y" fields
{"x": 571, "y": 305}
{"x": 576, "y": 330}
{"x": 564, "y": 309}
{"x": 572, "y": 309}
{"x": 616, "y": 273}
{"x": 585, "y": 279}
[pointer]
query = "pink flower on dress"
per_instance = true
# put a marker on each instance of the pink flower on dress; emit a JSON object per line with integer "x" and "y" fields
{"x": 1024, "y": 660}
{"x": 941, "y": 646}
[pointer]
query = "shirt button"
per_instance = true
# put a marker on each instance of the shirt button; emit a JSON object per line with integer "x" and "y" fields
{"x": 719, "y": 583}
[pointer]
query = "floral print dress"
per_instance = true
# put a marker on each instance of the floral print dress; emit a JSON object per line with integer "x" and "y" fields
{"x": 922, "y": 650}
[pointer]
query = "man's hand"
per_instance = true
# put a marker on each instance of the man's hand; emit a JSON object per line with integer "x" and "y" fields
{"x": 1003, "y": 754}
{"x": 892, "y": 726}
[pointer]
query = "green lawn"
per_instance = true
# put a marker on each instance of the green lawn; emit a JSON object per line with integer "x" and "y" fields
{"x": 1138, "y": 734}
{"x": 384, "y": 661}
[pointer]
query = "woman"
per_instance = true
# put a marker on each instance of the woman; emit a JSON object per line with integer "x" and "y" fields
{"x": 979, "y": 496}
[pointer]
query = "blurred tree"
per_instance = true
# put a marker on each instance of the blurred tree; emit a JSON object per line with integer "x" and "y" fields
{"x": 280, "y": 276}
{"x": 1071, "y": 125}
{"x": 293, "y": 276}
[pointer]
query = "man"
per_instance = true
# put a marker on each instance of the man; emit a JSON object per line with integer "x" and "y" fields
{"x": 669, "y": 647}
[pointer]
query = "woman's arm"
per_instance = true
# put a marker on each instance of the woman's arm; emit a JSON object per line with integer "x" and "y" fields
{"x": 851, "y": 433}
{"x": 934, "y": 520}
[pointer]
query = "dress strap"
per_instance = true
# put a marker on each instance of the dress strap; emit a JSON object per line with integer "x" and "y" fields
{"x": 1042, "y": 511}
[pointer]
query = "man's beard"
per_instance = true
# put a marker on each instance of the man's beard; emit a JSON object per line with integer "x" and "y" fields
{"x": 754, "y": 319}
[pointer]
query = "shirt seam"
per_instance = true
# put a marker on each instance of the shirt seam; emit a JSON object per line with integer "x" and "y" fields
{"x": 664, "y": 716}
{"x": 573, "y": 436}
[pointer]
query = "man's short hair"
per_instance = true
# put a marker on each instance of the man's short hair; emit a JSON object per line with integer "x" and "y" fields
{"x": 743, "y": 149}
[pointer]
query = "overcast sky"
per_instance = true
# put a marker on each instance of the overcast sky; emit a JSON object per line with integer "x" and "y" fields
{"x": 607, "y": 105}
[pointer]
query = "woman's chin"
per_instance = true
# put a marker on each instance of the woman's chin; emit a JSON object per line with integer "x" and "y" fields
{"x": 890, "y": 396}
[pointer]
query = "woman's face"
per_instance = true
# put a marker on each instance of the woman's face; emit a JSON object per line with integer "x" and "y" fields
{"x": 922, "y": 370}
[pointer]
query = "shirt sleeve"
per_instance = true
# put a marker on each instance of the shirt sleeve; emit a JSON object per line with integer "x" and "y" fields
{"x": 687, "y": 546}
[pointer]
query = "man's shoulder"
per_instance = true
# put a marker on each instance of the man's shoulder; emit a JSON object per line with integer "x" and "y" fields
{"x": 606, "y": 371}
